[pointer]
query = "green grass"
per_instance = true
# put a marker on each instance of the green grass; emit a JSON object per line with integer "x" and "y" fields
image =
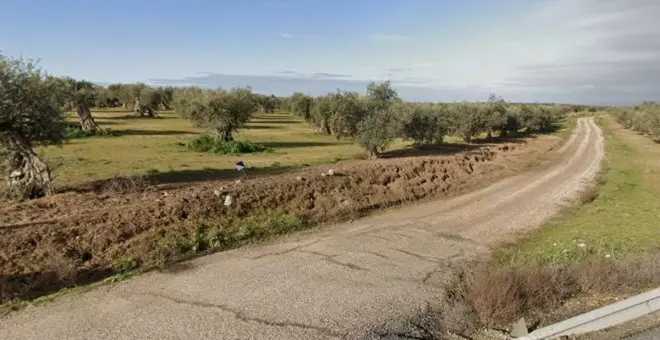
{"x": 622, "y": 220}
{"x": 155, "y": 143}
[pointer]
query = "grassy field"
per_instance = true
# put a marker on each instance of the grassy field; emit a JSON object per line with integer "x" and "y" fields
{"x": 155, "y": 145}
{"x": 623, "y": 219}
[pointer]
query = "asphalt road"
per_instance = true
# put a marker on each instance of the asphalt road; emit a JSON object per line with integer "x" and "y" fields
{"x": 338, "y": 283}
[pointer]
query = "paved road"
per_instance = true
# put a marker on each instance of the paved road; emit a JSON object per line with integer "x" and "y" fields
{"x": 330, "y": 284}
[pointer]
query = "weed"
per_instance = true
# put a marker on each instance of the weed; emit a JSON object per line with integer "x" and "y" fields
{"x": 206, "y": 143}
{"x": 495, "y": 296}
{"x": 175, "y": 244}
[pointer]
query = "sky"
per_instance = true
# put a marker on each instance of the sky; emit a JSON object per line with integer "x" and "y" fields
{"x": 579, "y": 51}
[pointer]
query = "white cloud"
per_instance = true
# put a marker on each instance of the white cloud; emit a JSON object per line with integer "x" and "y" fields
{"x": 611, "y": 48}
{"x": 286, "y": 35}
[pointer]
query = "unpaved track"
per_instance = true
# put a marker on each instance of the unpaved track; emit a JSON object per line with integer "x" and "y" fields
{"x": 331, "y": 284}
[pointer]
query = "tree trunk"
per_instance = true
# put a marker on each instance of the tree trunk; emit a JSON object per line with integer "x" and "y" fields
{"x": 489, "y": 136}
{"x": 224, "y": 135}
{"x": 373, "y": 153}
{"x": 28, "y": 174}
{"x": 86, "y": 120}
{"x": 136, "y": 107}
{"x": 467, "y": 138}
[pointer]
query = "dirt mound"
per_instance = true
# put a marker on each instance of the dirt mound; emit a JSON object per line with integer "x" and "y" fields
{"x": 75, "y": 238}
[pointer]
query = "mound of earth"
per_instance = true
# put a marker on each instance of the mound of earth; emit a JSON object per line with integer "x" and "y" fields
{"x": 73, "y": 238}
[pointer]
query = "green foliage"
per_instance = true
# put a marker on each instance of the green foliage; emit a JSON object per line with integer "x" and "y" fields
{"x": 220, "y": 110}
{"x": 347, "y": 110}
{"x": 267, "y": 104}
{"x": 423, "y": 123}
{"x": 301, "y": 105}
{"x": 206, "y": 143}
{"x": 29, "y": 107}
{"x": 376, "y": 131}
{"x": 644, "y": 118}
{"x": 320, "y": 114}
{"x": 468, "y": 120}
{"x": 496, "y": 115}
{"x": 382, "y": 95}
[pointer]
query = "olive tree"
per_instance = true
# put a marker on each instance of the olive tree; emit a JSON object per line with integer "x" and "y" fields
{"x": 320, "y": 114}
{"x": 496, "y": 118}
{"x": 377, "y": 129}
{"x": 221, "y": 110}
{"x": 82, "y": 95}
{"x": 423, "y": 123}
{"x": 267, "y": 104}
{"x": 166, "y": 96}
{"x": 29, "y": 115}
{"x": 468, "y": 119}
{"x": 149, "y": 102}
{"x": 347, "y": 109}
{"x": 301, "y": 105}
{"x": 135, "y": 92}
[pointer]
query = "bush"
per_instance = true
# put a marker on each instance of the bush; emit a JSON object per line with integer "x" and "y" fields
{"x": 644, "y": 119}
{"x": 499, "y": 295}
{"x": 206, "y": 143}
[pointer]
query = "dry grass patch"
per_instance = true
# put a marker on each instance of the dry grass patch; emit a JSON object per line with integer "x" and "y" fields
{"x": 495, "y": 297}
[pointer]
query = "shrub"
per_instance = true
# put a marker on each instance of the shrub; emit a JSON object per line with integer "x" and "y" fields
{"x": 206, "y": 143}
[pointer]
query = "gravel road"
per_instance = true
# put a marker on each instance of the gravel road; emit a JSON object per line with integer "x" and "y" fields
{"x": 333, "y": 283}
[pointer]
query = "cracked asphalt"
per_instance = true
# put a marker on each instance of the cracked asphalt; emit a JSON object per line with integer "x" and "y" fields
{"x": 349, "y": 281}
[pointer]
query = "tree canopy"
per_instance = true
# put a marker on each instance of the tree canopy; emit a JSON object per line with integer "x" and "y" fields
{"x": 224, "y": 111}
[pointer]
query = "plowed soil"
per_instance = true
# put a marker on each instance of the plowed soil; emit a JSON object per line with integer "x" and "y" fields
{"x": 77, "y": 237}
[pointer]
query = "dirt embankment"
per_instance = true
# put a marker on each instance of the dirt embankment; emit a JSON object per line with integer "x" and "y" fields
{"x": 74, "y": 238}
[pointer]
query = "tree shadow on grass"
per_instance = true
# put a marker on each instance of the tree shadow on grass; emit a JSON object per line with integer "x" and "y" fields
{"x": 76, "y": 133}
{"x": 277, "y": 121}
{"x": 135, "y": 132}
{"x": 102, "y": 123}
{"x": 302, "y": 144}
{"x": 431, "y": 150}
{"x": 454, "y": 148}
{"x": 132, "y": 116}
{"x": 259, "y": 127}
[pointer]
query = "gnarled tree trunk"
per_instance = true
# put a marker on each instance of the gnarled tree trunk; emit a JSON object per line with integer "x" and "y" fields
{"x": 28, "y": 174}
{"x": 136, "y": 107}
{"x": 86, "y": 120}
{"x": 373, "y": 153}
{"x": 224, "y": 134}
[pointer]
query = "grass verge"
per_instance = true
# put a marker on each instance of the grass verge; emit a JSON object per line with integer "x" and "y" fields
{"x": 606, "y": 246}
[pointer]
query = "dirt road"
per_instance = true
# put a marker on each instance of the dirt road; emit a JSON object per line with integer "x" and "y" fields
{"x": 340, "y": 282}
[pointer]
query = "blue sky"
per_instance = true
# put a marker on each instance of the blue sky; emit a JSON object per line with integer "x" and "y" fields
{"x": 559, "y": 50}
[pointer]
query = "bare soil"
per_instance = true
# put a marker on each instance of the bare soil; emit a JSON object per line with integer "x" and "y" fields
{"x": 80, "y": 236}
